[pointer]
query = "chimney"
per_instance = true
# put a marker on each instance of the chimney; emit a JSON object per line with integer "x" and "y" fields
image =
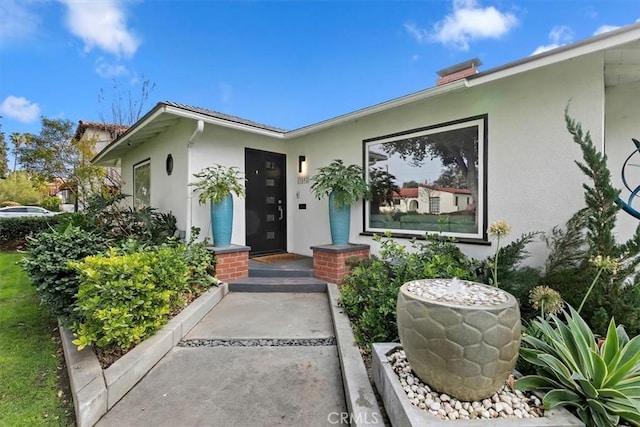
{"x": 458, "y": 71}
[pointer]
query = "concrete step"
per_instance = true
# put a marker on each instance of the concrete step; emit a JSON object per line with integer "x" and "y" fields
{"x": 278, "y": 284}
{"x": 280, "y": 272}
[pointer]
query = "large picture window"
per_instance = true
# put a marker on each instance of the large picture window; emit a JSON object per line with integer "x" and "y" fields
{"x": 142, "y": 184}
{"x": 429, "y": 180}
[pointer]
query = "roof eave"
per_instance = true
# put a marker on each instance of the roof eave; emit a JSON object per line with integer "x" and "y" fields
{"x": 162, "y": 108}
{"x": 397, "y": 102}
{"x": 222, "y": 122}
{"x": 103, "y": 158}
{"x": 593, "y": 44}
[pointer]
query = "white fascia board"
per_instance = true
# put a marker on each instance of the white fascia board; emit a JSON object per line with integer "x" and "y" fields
{"x": 557, "y": 55}
{"x": 178, "y": 112}
{"x": 222, "y": 122}
{"x": 119, "y": 141}
{"x": 397, "y": 102}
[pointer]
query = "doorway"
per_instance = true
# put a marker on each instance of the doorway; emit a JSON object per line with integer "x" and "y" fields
{"x": 265, "y": 214}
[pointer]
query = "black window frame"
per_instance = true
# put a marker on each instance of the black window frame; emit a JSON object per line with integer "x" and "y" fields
{"x": 480, "y": 236}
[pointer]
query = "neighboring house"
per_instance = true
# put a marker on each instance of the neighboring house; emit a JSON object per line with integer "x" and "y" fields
{"x": 430, "y": 199}
{"x": 59, "y": 188}
{"x": 501, "y": 130}
{"x": 102, "y": 134}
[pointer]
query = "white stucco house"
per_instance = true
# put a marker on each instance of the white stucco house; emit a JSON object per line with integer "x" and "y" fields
{"x": 101, "y": 135}
{"x": 430, "y": 199}
{"x": 501, "y": 131}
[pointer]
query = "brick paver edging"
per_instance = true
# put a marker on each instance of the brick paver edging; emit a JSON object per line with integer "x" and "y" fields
{"x": 95, "y": 390}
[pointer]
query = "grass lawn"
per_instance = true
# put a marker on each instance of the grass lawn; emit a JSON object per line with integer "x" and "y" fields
{"x": 30, "y": 355}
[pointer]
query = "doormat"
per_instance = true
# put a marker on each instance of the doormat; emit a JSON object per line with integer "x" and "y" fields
{"x": 272, "y": 259}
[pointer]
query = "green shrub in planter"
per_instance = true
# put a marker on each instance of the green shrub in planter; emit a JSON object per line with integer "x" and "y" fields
{"x": 47, "y": 265}
{"x": 600, "y": 381}
{"x": 126, "y": 298}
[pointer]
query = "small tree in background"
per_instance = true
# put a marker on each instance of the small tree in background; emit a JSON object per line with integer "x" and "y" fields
{"x": 383, "y": 186}
{"x": 18, "y": 187}
{"x": 125, "y": 109}
{"x": 4, "y": 151}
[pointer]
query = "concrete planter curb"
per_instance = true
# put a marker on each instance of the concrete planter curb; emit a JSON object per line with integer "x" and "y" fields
{"x": 403, "y": 414}
{"x": 95, "y": 390}
{"x": 360, "y": 398}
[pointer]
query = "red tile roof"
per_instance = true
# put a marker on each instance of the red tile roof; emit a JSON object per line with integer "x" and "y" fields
{"x": 407, "y": 193}
{"x": 448, "y": 189}
{"x": 113, "y": 129}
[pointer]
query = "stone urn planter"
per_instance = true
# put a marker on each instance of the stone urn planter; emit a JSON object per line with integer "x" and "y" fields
{"x": 460, "y": 337}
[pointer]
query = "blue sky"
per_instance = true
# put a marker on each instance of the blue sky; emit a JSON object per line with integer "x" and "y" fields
{"x": 283, "y": 63}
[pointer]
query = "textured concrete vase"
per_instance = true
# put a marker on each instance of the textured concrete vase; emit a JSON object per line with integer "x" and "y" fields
{"x": 464, "y": 350}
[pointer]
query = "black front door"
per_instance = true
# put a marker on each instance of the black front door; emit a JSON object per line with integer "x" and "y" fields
{"x": 265, "y": 202}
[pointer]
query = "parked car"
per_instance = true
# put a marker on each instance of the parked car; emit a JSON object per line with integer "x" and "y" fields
{"x": 18, "y": 211}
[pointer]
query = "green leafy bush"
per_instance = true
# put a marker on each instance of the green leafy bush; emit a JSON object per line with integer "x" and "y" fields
{"x": 370, "y": 292}
{"x": 108, "y": 216}
{"x": 51, "y": 203}
{"x": 601, "y": 382}
{"x": 125, "y": 298}
{"x": 127, "y": 294}
{"x": 201, "y": 262}
{"x": 14, "y": 231}
{"x": 47, "y": 265}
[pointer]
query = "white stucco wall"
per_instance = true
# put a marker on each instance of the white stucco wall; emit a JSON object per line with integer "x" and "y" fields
{"x": 215, "y": 145}
{"x": 227, "y": 147}
{"x": 167, "y": 191}
{"x": 623, "y": 123}
{"x": 532, "y": 181}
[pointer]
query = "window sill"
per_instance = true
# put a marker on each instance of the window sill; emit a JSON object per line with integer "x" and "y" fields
{"x": 469, "y": 241}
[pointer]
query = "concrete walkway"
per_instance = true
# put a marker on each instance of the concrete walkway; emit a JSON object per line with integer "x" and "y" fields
{"x": 258, "y": 359}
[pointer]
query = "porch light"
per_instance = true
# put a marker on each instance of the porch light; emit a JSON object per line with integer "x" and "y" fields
{"x": 301, "y": 160}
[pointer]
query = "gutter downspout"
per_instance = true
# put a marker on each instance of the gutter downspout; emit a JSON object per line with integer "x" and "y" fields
{"x": 196, "y": 133}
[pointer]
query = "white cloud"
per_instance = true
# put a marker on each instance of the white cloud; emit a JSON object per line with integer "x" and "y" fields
{"x": 469, "y": 21}
{"x": 20, "y": 109}
{"x": 109, "y": 71}
{"x": 420, "y": 34}
{"x": 101, "y": 24}
{"x": 605, "y": 29}
{"x": 559, "y": 36}
{"x": 18, "y": 21}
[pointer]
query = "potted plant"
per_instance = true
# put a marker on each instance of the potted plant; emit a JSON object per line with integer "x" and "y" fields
{"x": 216, "y": 184}
{"x": 344, "y": 185}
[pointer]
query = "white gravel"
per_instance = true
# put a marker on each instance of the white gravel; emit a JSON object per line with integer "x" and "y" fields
{"x": 505, "y": 403}
{"x": 459, "y": 292}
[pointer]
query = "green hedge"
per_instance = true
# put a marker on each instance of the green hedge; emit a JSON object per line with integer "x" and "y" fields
{"x": 14, "y": 231}
{"x": 125, "y": 298}
{"x": 47, "y": 265}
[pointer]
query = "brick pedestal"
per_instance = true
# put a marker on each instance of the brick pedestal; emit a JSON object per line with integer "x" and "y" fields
{"x": 232, "y": 262}
{"x": 330, "y": 261}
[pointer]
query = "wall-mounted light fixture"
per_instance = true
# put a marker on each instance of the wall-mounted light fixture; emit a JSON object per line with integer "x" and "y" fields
{"x": 301, "y": 160}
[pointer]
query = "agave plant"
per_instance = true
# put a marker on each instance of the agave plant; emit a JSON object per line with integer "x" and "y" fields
{"x": 600, "y": 380}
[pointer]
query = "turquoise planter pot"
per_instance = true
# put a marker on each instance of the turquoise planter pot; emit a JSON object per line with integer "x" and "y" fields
{"x": 222, "y": 221}
{"x": 339, "y": 222}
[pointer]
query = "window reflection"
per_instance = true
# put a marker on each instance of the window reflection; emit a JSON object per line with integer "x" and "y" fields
{"x": 142, "y": 184}
{"x": 428, "y": 180}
